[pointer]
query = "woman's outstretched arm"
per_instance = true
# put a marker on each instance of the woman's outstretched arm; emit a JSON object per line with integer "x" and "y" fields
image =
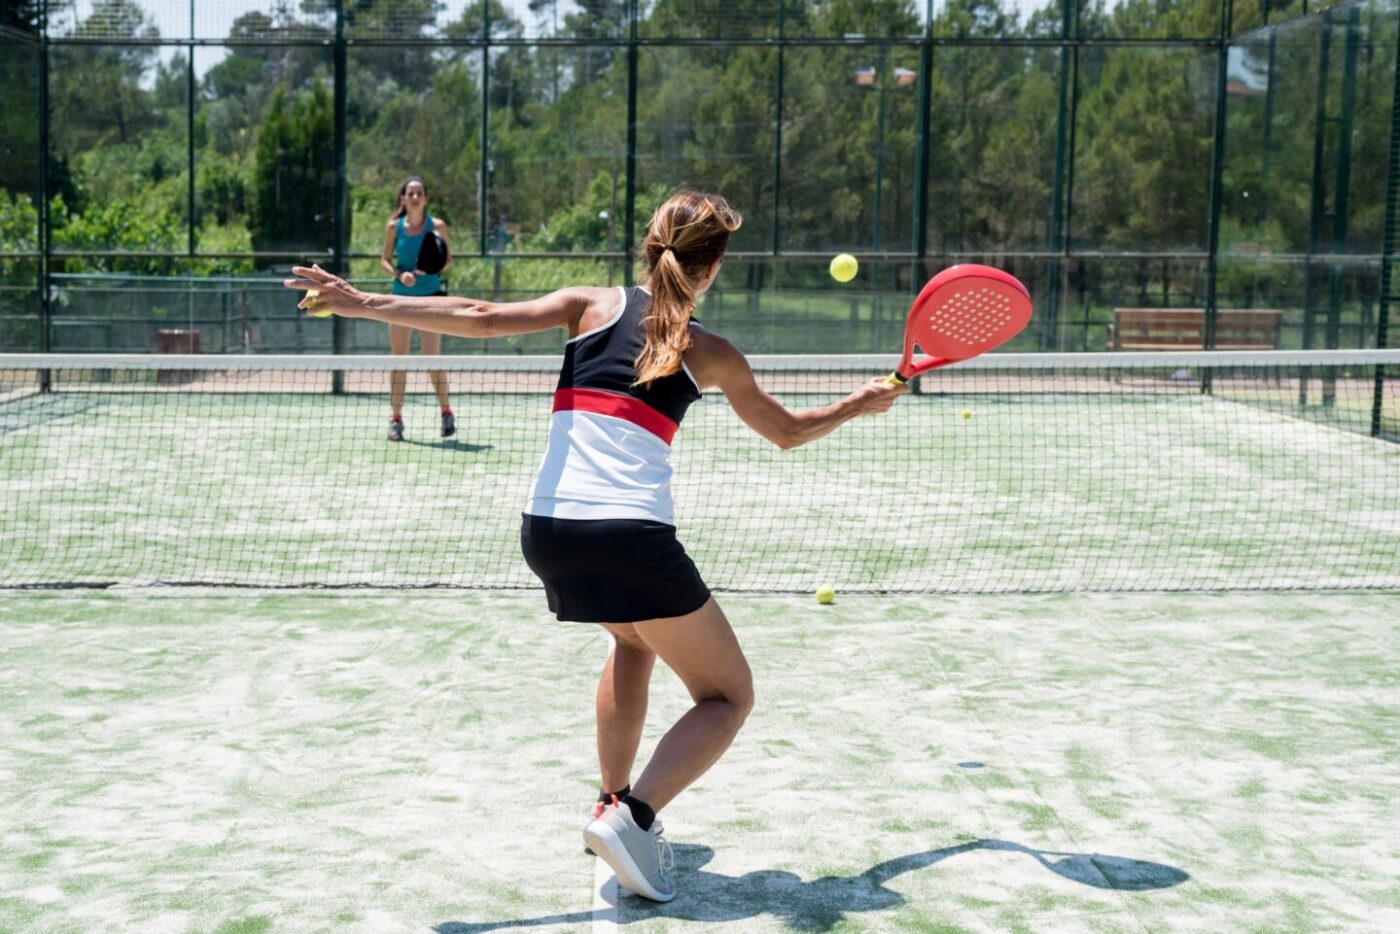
{"x": 718, "y": 363}
{"x": 459, "y": 317}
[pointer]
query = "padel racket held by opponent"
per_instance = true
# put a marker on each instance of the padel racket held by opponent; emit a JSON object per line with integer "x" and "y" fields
{"x": 433, "y": 253}
{"x": 962, "y": 312}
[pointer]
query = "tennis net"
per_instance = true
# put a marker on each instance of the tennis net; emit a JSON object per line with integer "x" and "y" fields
{"x": 1083, "y": 472}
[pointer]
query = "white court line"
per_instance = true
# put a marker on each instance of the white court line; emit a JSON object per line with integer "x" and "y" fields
{"x": 604, "y": 882}
{"x": 604, "y": 898}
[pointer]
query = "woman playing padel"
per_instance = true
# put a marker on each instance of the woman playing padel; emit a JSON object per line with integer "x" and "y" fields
{"x": 599, "y": 527}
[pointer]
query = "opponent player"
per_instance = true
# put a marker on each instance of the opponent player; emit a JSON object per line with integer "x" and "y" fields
{"x": 403, "y": 237}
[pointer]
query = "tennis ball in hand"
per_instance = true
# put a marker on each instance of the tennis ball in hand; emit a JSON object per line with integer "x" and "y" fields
{"x": 826, "y": 593}
{"x": 844, "y": 267}
{"x": 311, "y": 310}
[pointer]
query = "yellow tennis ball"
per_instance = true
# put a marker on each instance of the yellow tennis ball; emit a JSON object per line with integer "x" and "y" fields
{"x": 844, "y": 267}
{"x": 826, "y": 593}
{"x": 311, "y": 294}
{"x": 966, "y": 414}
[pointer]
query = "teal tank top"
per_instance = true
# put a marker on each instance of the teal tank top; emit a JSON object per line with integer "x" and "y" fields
{"x": 406, "y": 260}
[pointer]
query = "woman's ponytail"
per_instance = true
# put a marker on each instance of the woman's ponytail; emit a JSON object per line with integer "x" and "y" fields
{"x": 686, "y": 237}
{"x": 667, "y": 324}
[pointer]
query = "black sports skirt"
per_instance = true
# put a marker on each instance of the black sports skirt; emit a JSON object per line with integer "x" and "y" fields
{"x": 611, "y": 570}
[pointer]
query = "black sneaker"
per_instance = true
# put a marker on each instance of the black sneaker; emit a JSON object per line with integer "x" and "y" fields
{"x": 395, "y": 429}
{"x": 449, "y": 424}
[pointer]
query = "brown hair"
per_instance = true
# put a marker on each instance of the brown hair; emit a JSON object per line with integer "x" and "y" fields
{"x": 399, "y": 209}
{"x": 687, "y": 234}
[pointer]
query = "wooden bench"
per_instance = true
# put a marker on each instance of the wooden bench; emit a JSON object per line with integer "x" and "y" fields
{"x": 1185, "y": 329}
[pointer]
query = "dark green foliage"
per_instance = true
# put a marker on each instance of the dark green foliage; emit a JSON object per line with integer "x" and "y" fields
{"x": 115, "y": 221}
{"x": 21, "y": 14}
{"x": 19, "y": 131}
{"x": 833, "y": 166}
{"x": 294, "y": 174}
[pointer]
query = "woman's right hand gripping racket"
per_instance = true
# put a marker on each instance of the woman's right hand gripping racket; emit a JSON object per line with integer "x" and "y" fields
{"x": 962, "y": 312}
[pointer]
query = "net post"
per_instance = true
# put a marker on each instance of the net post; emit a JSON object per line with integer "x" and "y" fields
{"x": 483, "y": 180}
{"x": 775, "y": 229}
{"x": 1377, "y": 403}
{"x": 1341, "y": 193}
{"x": 1067, "y": 104}
{"x": 1217, "y": 171}
{"x": 342, "y": 205}
{"x": 1317, "y": 207}
{"x": 45, "y": 376}
{"x": 1392, "y": 203}
{"x": 191, "y": 238}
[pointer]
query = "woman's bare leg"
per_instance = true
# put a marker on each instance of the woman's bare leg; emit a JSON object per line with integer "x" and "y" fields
{"x": 399, "y": 338}
{"x": 622, "y": 705}
{"x": 431, "y": 344}
{"x": 703, "y": 651}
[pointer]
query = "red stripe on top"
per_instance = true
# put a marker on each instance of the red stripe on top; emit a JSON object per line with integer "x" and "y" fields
{"x": 601, "y": 402}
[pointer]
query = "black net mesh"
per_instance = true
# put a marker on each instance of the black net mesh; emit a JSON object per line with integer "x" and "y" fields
{"x": 1011, "y": 473}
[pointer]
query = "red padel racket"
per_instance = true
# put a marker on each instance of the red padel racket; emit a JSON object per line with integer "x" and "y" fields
{"x": 962, "y": 312}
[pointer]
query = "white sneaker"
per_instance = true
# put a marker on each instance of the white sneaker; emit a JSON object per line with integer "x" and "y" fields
{"x": 641, "y": 858}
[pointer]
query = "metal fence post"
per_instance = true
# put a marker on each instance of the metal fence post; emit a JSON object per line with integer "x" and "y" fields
{"x": 341, "y": 212}
{"x": 1388, "y": 246}
{"x": 1217, "y": 172}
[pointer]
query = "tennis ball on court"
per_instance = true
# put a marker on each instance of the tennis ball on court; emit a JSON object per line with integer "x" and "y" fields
{"x": 311, "y": 294}
{"x": 844, "y": 267}
{"x": 826, "y": 593}
{"x": 966, "y": 414}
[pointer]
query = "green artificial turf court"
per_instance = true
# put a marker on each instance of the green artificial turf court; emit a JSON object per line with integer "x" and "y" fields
{"x": 252, "y": 761}
{"x": 1109, "y": 653}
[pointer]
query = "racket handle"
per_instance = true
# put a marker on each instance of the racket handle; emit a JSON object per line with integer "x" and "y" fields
{"x": 894, "y": 379}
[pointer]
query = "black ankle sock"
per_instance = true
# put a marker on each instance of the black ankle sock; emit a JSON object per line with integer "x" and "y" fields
{"x": 606, "y": 796}
{"x": 641, "y": 812}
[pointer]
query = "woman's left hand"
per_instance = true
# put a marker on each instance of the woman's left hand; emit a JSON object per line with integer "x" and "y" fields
{"x": 332, "y": 293}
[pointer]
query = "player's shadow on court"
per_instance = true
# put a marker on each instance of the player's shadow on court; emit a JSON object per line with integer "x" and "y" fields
{"x": 448, "y": 444}
{"x": 28, "y": 413}
{"x": 819, "y": 905}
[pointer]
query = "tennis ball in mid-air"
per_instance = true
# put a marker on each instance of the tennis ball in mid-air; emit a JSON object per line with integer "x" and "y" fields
{"x": 311, "y": 310}
{"x": 844, "y": 267}
{"x": 966, "y": 414}
{"x": 826, "y": 593}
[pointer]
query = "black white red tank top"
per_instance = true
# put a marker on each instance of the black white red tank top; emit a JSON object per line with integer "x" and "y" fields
{"x": 609, "y": 450}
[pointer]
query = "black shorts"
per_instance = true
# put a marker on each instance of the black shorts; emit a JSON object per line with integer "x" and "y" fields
{"x": 611, "y": 570}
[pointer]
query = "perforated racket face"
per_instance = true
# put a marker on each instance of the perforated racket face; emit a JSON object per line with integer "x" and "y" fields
{"x": 962, "y": 312}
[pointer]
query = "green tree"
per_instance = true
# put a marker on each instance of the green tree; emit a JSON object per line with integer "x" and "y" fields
{"x": 992, "y": 161}
{"x": 294, "y": 174}
{"x": 95, "y": 90}
{"x": 19, "y": 130}
{"x": 1151, "y": 19}
{"x": 409, "y": 68}
{"x": 21, "y": 14}
{"x": 115, "y": 222}
{"x": 866, "y": 18}
{"x": 592, "y": 19}
{"x": 19, "y": 222}
{"x": 1142, "y": 161}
